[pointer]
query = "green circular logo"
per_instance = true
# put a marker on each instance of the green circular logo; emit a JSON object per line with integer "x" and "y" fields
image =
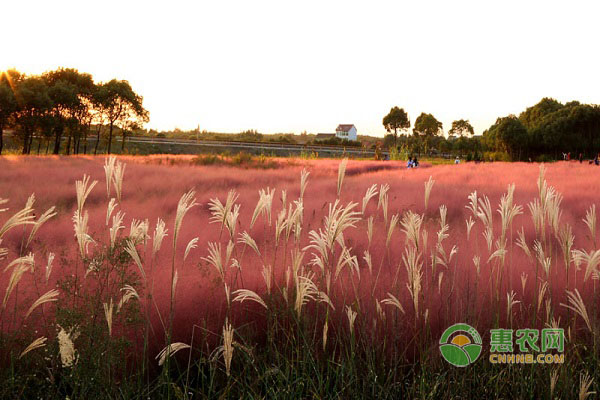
{"x": 460, "y": 345}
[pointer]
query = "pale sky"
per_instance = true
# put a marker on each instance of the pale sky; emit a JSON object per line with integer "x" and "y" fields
{"x": 281, "y": 66}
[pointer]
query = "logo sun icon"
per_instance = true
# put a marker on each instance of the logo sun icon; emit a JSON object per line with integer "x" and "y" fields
{"x": 461, "y": 350}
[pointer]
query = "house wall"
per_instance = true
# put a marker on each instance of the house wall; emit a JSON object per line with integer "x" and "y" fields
{"x": 350, "y": 135}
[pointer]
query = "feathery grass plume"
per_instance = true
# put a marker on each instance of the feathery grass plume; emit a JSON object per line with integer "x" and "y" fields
{"x": 380, "y": 312}
{"x": 215, "y": 259}
{"x": 384, "y": 208}
{"x": 117, "y": 225}
{"x": 192, "y": 244}
{"x": 83, "y": 191}
{"x": 472, "y": 206}
{"x": 138, "y": 231}
{"x": 108, "y": 314}
{"x": 303, "y": 181}
{"x": 117, "y": 178}
{"x": 341, "y": 173}
{"x": 22, "y": 217}
{"x": 339, "y": 219}
{"x": 109, "y": 168}
{"x": 393, "y": 223}
{"x": 576, "y": 304}
{"x": 28, "y": 261}
{"x": 264, "y": 205}
{"x": 477, "y": 263}
{"x": 68, "y": 354}
{"x": 411, "y": 226}
{"x": 49, "y": 213}
{"x": 13, "y": 281}
{"x": 47, "y": 297}
{"x": 566, "y": 239}
{"x": 229, "y": 251}
{"x": 370, "y": 229}
{"x": 80, "y": 225}
{"x": 267, "y": 273}
{"x": 367, "y": 258}
{"x": 135, "y": 256}
{"x": 346, "y": 259}
{"x": 585, "y": 381}
{"x": 227, "y": 346}
{"x": 185, "y": 204}
{"x": 351, "y": 314}
{"x": 159, "y": 234}
{"x": 393, "y": 301}
{"x": 36, "y": 344}
{"x": 510, "y": 303}
{"x": 49, "y": 266}
{"x": 318, "y": 242}
{"x": 112, "y": 204}
{"x": 538, "y": 216}
{"x": 411, "y": 259}
{"x": 470, "y": 222}
{"x": 523, "y": 244}
{"x": 169, "y": 350}
{"x": 242, "y": 295}
{"x": 545, "y": 262}
{"x": 306, "y": 290}
{"x": 246, "y": 239}
{"x": 488, "y": 234}
{"x": 440, "y": 279}
{"x": 371, "y": 192}
{"x": 283, "y": 198}
{"x": 231, "y": 220}
{"x": 484, "y": 212}
{"x": 129, "y": 293}
{"x": 591, "y": 259}
{"x": 428, "y": 187}
{"x": 383, "y": 189}
{"x": 507, "y": 210}
{"x": 219, "y": 210}
{"x": 590, "y": 221}
{"x": 227, "y": 294}
{"x": 523, "y": 282}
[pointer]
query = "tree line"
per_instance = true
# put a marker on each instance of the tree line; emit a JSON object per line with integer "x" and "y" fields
{"x": 66, "y": 104}
{"x": 545, "y": 130}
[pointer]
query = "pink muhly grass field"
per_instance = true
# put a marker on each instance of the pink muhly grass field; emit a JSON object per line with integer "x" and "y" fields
{"x": 152, "y": 189}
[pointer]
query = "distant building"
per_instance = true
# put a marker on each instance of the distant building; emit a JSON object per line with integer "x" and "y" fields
{"x": 346, "y": 131}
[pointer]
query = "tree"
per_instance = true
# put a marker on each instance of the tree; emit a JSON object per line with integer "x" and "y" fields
{"x": 461, "y": 128}
{"x": 8, "y": 105}
{"x": 71, "y": 93}
{"x": 397, "y": 119}
{"x": 508, "y": 134}
{"x": 33, "y": 105}
{"x": 119, "y": 104}
{"x": 427, "y": 126}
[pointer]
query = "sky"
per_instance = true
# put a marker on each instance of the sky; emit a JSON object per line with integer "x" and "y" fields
{"x": 283, "y": 66}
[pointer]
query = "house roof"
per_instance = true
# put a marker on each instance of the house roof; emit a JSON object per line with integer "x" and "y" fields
{"x": 344, "y": 127}
{"x": 324, "y": 135}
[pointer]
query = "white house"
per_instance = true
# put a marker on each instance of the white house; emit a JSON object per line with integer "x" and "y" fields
{"x": 346, "y": 131}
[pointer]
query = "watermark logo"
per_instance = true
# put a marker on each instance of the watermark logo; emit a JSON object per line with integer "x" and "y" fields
{"x": 460, "y": 345}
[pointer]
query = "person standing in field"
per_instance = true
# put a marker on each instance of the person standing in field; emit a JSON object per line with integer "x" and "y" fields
{"x": 580, "y": 158}
{"x": 457, "y": 160}
{"x": 409, "y": 163}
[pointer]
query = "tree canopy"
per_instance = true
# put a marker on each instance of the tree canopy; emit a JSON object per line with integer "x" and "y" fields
{"x": 396, "y": 119}
{"x": 66, "y": 102}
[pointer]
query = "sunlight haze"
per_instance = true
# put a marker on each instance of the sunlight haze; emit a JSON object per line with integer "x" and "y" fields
{"x": 278, "y": 66}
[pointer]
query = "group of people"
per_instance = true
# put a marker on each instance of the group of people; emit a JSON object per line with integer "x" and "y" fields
{"x": 595, "y": 161}
{"x": 412, "y": 162}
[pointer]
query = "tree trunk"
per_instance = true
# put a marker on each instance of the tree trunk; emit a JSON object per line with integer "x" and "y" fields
{"x": 85, "y": 133}
{"x": 58, "y": 136}
{"x": 110, "y": 137}
{"x": 68, "y": 149}
{"x": 30, "y": 143}
{"x": 122, "y": 142}
{"x": 1, "y": 139}
{"x": 47, "y": 146}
